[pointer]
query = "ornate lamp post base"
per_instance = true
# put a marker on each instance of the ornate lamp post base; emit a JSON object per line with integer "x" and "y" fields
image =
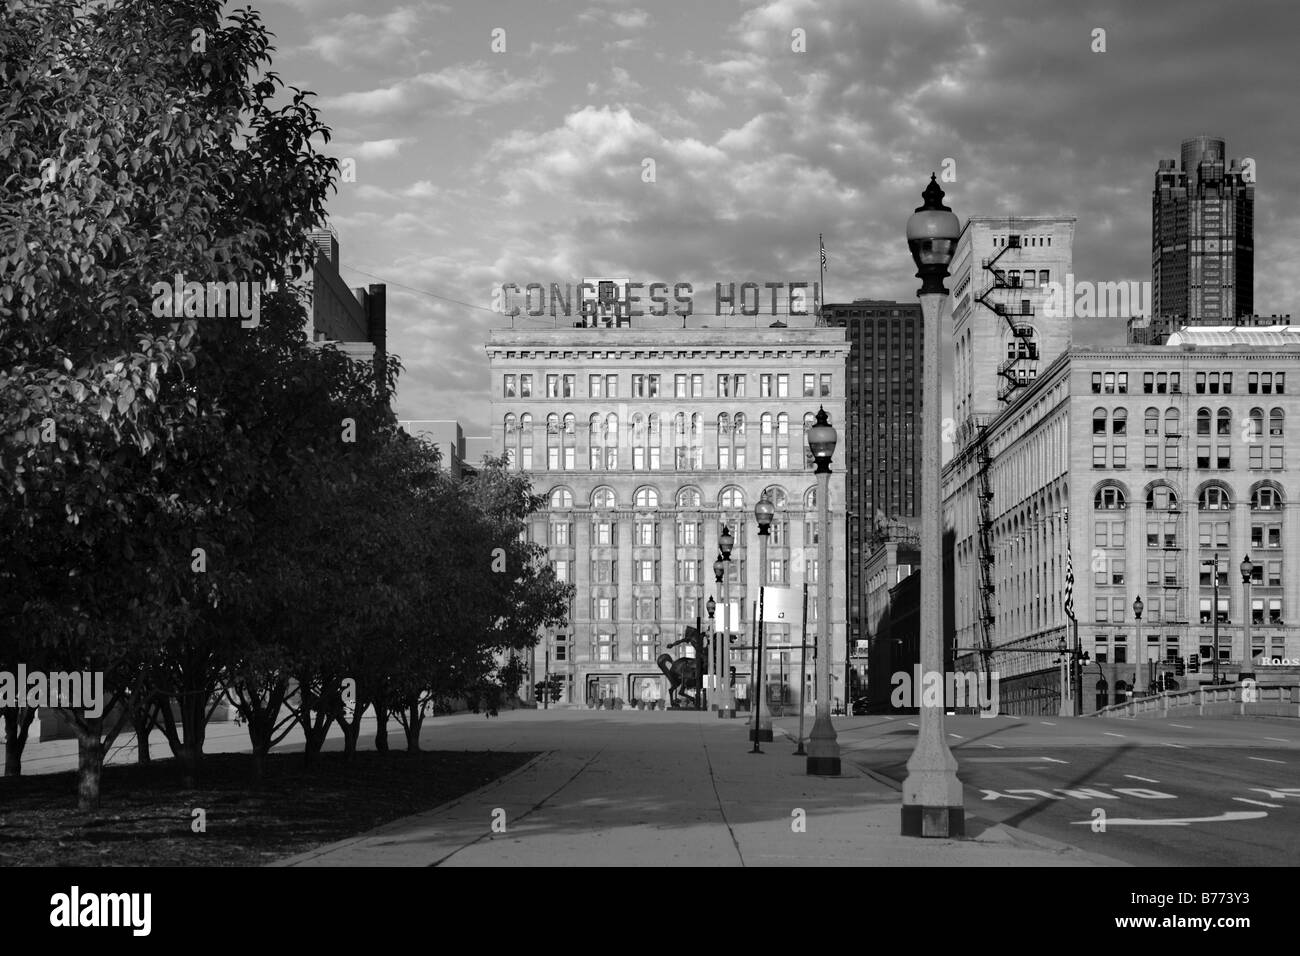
{"x": 764, "y": 734}
{"x": 727, "y": 713}
{"x": 823, "y": 749}
{"x": 943, "y": 822}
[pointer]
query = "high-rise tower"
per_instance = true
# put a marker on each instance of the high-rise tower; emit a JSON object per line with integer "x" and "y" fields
{"x": 1202, "y": 236}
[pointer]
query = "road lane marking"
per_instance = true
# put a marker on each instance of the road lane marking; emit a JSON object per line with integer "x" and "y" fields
{"x": 1184, "y": 726}
{"x": 1133, "y": 776}
{"x": 1168, "y": 744}
{"x": 1011, "y": 760}
{"x": 1109, "y": 734}
{"x": 1047, "y": 723}
{"x": 994, "y": 746}
{"x": 1281, "y": 794}
{"x": 958, "y": 736}
{"x": 1266, "y": 760}
{"x": 1258, "y": 803}
{"x": 1230, "y": 816}
{"x": 1054, "y": 760}
{"x": 889, "y": 718}
{"x": 1281, "y": 740}
{"x": 910, "y": 724}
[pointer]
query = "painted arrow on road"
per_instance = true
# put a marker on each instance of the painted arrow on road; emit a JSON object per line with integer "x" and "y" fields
{"x": 1229, "y": 817}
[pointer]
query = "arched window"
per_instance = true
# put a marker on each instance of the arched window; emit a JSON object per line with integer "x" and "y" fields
{"x": 1162, "y": 498}
{"x": 1021, "y": 345}
{"x": 809, "y": 420}
{"x": 1215, "y": 498}
{"x": 1109, "y": 498}
{"x": 810, "y": 498}
{"x": 732, "y": 497}
{"x": 765, "y": 424}
{"x": 1225, "y": 422}
{"x": 561, "y": 498}
{"x": 603, "y": 497}
{"x": 636, "y": 429}
{"x": 611, "y": 426}
{"x": 647, "y": 498}
{"x": 653, "y": 426}
{"x": 552, "y": 424}
{"x": 1099, "y": 421}
{"x": 689, "y": 498}
{"x": 1275, "y": 423}
{"x": 724, "y": 424}
{"x": 593, "y": 428}
{"x": 1265, "y": 499}
{"x": 739, "y": 423}
{"x": 510, "y": 424}
{"x": 1202, "y": 421}
{"x": 679, "y": 424}
{"x": 526, "y": 423}
{"x": 1256, "y": 423}
{"x": 1152, "y": 422}
{"x": 1171, "y": 421}
{"x": 777, "y": 496}
{"x": 783, "y": 424}
{"x": 1119, "y": 422}
{"x": 697, "y": 428}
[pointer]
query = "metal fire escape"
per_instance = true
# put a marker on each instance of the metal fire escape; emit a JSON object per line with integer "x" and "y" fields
{"x": 1026, "y": 349}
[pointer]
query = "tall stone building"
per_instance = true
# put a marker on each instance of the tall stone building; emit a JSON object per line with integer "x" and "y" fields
{"x": 1145, "y": 462}
{"x": 1203, "y": 236}
{"x": 643, "y": 443}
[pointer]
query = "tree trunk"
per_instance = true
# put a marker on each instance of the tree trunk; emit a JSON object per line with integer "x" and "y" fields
{"x": 143, "y": 723}
{"x": 259, "y": 763}
{"x": 90, "y": 768}
{"x": 351, "y": 731}
{"x": 381, "y": 728}
{"x": 18, "y": 720}
{"x": 414, "y": 719}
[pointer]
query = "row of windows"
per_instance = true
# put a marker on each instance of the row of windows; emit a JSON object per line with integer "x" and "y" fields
{"x": 730, "y": 497}
{"x": 644, "y": 428}
{"x": 684, "y": 385}
{"x": 1207, "y": 383}
{"x": 1251, "y": 426}
{"x": 647, "y": 571}
{"x": 1263, "y": 610}
{"x": 1111, "y": 571}
{"x": 1173, "y": 647}
{"x": 1164, "y": 498}
{"x": 685, "y": 458}
{"x": 1116, "y": 456}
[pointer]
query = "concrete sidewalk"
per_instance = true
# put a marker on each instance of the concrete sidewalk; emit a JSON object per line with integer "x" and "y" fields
{"x": 633, "y": 788}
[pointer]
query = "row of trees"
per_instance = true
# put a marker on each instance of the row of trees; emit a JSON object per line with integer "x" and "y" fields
{"x": 202, "y": 511}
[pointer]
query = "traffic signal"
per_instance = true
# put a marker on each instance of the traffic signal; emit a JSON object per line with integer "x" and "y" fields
{"x": 1179, "y": 668}
{"x": 1194, "y": 664}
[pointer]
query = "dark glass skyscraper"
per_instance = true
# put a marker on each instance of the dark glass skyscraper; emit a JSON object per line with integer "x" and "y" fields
{"x": 1203, "y": 237}
{"x": 882, "y": 461}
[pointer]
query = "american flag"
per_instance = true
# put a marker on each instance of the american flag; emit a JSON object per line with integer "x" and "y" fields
{"x": 823, "y": 245}
{"x": 1069, "y": 586}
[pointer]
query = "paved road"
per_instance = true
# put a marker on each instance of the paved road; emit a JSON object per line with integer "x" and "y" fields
{"x": 1181, "y": 791}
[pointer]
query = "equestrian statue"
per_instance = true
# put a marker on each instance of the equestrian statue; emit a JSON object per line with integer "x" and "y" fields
{"x": 684, "y": 673}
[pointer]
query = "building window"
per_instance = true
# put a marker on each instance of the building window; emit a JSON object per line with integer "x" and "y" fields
{"x": 809, "y": 385}
{"x": 783, "y": 386}
{"x": 765, "y": 386}
{"x": 509, "y": 387}
{"x": 552, "y": 386}
{"x": 1109, "y": 498}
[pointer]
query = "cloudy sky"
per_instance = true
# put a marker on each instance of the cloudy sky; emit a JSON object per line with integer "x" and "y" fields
{"x": 477, "y": 166}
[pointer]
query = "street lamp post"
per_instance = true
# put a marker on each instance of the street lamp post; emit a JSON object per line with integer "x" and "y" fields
{"x": 932, "y": 794}
{"x": 823, "y": 747}
{"x": 1247, "y": 567}
{"x": 1137, "y": 634}
{"x": 727, "y": 702}
{"x": 711, "y": 607}
{"x": 762, "y": 727}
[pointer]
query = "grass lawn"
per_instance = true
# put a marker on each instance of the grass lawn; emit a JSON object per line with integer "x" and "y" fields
{"x": 145, "y": 817}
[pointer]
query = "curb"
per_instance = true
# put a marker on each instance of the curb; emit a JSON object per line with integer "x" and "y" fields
{"x": 432, "y": 811}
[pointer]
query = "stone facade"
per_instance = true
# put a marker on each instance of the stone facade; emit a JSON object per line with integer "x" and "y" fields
{"x": 636, "y": 439}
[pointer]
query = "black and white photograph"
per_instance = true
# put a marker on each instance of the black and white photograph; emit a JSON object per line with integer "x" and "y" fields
{"x": 649, "y": 434}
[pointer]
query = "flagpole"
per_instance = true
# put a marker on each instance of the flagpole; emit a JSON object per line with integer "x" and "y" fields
{"x": 821, "y": 290}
